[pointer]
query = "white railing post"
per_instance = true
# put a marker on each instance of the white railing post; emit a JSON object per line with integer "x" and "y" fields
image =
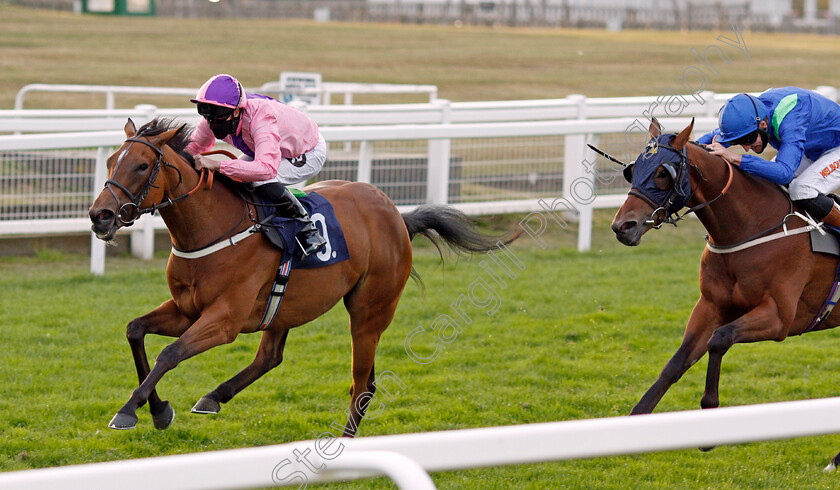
{"x": 143, "y": 239}
{"x": 576, "y": 181}
{"x": 711, "y": 107}
{"x": 97, "y": 246}
{"x": 365, "y": 162}
{"x": 437, "y": 180}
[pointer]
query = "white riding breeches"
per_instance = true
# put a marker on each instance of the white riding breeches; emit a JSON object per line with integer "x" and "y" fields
{"x": 818, "y": 177}
{"x": 297, "y": 170}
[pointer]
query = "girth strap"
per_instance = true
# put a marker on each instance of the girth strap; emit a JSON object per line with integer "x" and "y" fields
{"x": 275, "y": 296}
{"x": 830, "y": 303}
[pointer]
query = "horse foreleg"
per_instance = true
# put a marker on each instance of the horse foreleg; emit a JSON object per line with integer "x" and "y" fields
{"x": 761, "y": 323}
{"x": 269, "y": 356}
{"x": 699, "y": 329}
{"x": 209, "y": 331}
{"x": 166, "y": 320}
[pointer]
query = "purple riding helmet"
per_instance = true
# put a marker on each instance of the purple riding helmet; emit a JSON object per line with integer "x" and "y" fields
{"x": 216, "y": 101}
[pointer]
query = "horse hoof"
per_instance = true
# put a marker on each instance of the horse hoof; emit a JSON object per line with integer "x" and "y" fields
{"x": 707, "y": 449}
{"x": 831, "y": 468}
{"x": 206, "y": 406}
{"x": 123, "y": 421}
{"x": 164, "y": 419}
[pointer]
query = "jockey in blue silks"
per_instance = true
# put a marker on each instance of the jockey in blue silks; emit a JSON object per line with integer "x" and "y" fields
{"x": 803, "y": 126}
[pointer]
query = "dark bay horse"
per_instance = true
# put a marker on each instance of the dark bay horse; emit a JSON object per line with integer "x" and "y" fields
{"x": 765, "y": 292}
{"x": 220, "y": 295}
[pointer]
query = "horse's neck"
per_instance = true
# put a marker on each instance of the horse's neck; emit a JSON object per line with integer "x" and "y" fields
{"x": 749, "y": 206}
{"x": 206, "y": 215}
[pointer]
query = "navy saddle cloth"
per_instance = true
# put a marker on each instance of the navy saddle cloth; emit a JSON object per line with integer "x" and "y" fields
{"x": 281, "y": 232}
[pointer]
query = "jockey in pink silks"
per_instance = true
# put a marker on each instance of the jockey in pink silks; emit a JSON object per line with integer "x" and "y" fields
{"x": 281, "y": 146}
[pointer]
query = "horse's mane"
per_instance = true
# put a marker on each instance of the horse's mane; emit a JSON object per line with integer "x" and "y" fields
{"x": 178, "y": 142}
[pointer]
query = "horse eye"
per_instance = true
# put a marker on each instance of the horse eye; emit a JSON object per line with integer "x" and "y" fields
{"x": 662, "y": 174}
{"x": 143, "y": 167}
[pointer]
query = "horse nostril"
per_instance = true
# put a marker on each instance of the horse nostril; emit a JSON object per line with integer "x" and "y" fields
{"x": 104, "y": 216}
{"x": 626, "y": 226}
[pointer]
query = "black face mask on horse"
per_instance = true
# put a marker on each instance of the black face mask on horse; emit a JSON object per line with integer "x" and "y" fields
{"x": 649, "y": 178}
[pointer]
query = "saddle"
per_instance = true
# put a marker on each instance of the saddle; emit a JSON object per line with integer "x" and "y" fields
{"x": 281, "y": 231}
{"x": 267, "y": 215}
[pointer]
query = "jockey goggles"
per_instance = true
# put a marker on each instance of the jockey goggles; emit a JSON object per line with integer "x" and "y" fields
{"x": 213, "y": 112}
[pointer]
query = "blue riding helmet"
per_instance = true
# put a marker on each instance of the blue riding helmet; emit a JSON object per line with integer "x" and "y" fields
{"x": 739, "y": 117}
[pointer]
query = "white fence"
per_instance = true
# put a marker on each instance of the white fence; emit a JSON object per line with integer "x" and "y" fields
{"x": 424, "y": 168}
{"x": 323, "y": 92}
{"x": 406, "y": 458}
{"x": 483, "y": 157}
{"x": 439, "y": 111}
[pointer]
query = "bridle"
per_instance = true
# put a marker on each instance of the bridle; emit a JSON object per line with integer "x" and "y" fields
{"x": 133, "y": 206}
{"x": 676, "y": 197}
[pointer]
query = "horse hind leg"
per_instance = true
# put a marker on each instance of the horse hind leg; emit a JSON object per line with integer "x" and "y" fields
{"x": 269, "y": 355}
{"x": 366, "y": 325}
{"x": 833, "y": 464}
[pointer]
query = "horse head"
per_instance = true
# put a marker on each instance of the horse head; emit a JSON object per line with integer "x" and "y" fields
{"x": 133, "y": 187}
{"x": 660, "y": 185}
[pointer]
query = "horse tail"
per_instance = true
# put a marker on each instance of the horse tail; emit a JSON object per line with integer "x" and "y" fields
{"x": 445, "y": 225}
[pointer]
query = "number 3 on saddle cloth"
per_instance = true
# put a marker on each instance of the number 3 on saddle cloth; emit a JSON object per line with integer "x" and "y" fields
{"x": 281, "y": 232}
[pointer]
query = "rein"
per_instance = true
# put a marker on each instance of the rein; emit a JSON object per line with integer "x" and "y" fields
{"x": 205, "y": 181}
{"x": 762, "y": 236}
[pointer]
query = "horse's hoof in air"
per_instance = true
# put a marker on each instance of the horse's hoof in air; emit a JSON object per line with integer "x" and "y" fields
{"x": 123, "y": 421}
{"x": 163, "y": 419}
{"x": 206, "y": 406}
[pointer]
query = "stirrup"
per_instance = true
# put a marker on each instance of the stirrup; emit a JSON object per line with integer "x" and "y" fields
{"x": 312, "y": 248}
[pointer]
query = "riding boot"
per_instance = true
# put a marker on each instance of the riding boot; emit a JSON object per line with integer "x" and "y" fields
{"x": 309, "y": 239}
{"x": 833, "y": 217}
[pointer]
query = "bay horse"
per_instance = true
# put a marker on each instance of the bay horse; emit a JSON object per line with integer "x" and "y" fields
{"x": 220, "y": 295}
{"x": 769, "y": 291}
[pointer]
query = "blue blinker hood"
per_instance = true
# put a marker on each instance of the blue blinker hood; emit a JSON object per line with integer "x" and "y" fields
{"x": 659, "y": 152}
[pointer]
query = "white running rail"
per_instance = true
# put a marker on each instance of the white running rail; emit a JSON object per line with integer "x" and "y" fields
{"x": 400, "y": 457}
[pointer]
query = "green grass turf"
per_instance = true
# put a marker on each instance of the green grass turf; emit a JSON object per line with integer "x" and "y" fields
{"x": 576, "y": 335}
{"x": 466, "y": 64}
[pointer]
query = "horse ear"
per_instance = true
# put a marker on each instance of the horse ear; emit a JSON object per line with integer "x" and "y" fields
{"x": 164, "y": 138}
{"x": 655, "y": 128}
{"x": 130, "y": 129}
{"x": 682, "y": 138}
